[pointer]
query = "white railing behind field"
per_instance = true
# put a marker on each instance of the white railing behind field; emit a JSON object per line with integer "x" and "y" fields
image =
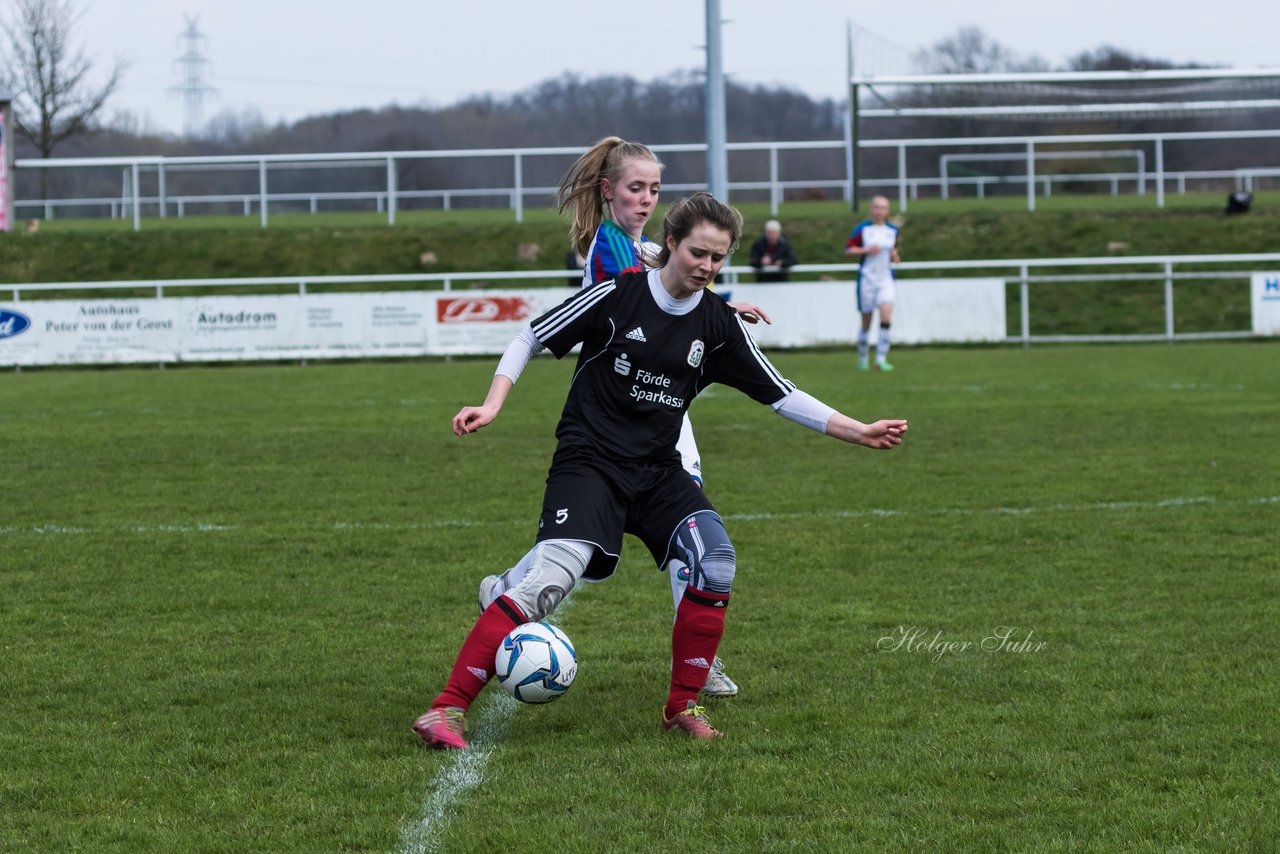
{"x": 387, "y": 197}
{"x": 1161, "y": 268}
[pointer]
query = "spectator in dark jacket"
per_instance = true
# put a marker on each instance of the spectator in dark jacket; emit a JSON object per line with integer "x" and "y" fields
{"x": 772, "y": 255}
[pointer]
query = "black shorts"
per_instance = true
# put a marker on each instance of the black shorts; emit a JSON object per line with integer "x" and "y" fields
{"x": 596, "y": 500}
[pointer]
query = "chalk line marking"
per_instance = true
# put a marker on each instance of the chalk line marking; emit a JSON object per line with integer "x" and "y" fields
{"x": 868, "y": 513}
{"x": 465, "y": 769}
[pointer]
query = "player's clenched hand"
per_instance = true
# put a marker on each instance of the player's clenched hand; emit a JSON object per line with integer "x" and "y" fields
{"x": 884, "y": 434}
{"x": 750, "y": 313}
{"x": 471, "y": 418}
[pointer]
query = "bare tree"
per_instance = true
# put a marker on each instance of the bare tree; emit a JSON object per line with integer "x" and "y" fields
{"x": 970, "y": 50}
{"x": 1111, "y": 58}
{"x": 48, "y": 74}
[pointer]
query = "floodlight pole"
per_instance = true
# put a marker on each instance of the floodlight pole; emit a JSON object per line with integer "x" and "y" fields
{"x": 851, "y": 122}
{"x": 717, "y": 159}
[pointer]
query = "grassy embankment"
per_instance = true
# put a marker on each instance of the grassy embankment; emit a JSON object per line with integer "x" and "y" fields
{"x": 459, "y": 241}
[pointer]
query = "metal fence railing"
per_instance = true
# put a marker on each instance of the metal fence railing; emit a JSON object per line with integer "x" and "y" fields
{"x": 386, "y": 195}
{"x": 1022, "y": 272}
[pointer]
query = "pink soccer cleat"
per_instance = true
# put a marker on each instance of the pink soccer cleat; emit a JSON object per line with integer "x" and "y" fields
{"x": 443, "y": 728}
{"x": 692, "y": 720}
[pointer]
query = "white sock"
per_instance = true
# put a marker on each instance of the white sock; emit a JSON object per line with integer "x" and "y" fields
{"x": 864, "y": 341}
{"x": 674, "y": 568}
{"x": 882, "y": 343}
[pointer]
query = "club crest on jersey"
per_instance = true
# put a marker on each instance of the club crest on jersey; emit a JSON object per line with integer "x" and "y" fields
{"x": 695, "y": 352}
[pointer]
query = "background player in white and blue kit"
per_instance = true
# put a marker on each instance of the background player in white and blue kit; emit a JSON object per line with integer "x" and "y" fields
{"x": 875, "y": 243}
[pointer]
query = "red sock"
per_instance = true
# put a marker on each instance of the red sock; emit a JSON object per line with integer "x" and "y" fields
{"x": 474, "y": 667}
{"x": 694, "y": 641}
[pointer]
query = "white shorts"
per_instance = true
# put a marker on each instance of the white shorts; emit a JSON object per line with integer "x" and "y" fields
{"x": 688, "y": 449}
{"x": 872, "y": 294}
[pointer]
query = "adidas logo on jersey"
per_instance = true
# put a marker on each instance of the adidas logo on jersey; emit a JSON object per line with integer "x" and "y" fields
{"x": 637, "y": 334}
{"x": 482, "y": 675}
{"x": 698, "y": 662}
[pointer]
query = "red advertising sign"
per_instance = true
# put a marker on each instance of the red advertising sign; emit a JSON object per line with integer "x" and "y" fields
{"x": 482, "y": 309}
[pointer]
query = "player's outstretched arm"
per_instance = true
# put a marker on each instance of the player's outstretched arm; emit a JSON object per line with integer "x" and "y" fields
{"x": 471, "y": 418}
{"x": 881, "y": 435}
{"x": 807, "y": 411}
{"x": 518, "y": 353}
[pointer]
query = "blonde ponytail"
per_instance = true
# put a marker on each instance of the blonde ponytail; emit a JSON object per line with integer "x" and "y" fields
{"x": 580, "y": 187}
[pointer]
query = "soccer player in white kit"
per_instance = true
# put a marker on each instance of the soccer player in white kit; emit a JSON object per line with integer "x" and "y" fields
{"x": 875, "y": 243}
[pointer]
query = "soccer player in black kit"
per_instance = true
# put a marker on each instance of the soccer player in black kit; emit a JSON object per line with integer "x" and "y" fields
{"x": 650, "y": 342}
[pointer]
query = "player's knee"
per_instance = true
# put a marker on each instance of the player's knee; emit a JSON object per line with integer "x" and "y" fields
{"x": 718, "y": 566}
{"x": 552, "y": 574}
{"x": 704, "y": 545}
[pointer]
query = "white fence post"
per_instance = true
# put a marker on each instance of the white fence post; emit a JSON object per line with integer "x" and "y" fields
{"x": 391, "y": 191}
{"x": 1160, "y": 173}
{"x": 164, "y": 202}
{"x": 262, "y": 191}
{"x": 1168, "y": 300}
{"x": 517, "y": 195}
{"x": 775, "y": 192}
{"x": 1024, "y": 307}
{"x": 902, "y": 178}
{"x": 134, "y": 194}
{"x": 1031, "y": 176}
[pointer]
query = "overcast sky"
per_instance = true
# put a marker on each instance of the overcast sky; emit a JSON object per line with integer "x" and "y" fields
{"x": 289, "y": 59}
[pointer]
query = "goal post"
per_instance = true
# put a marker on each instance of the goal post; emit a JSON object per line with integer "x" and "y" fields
{"x": 958, "y": 110}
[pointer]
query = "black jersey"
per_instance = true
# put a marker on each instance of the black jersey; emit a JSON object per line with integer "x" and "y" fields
{"x": 640, "y": 366}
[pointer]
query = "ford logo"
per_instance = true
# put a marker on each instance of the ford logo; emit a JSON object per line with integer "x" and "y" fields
{"x": 12, "y": 323}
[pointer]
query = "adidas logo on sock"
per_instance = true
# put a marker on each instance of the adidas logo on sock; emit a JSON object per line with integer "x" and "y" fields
{"x": 698, "y": 662}
{"x": 482, "y": 675}
{"x": 637, "y": 334}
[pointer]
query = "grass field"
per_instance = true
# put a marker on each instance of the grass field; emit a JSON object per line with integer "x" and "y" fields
{"x": 225, "y": 593}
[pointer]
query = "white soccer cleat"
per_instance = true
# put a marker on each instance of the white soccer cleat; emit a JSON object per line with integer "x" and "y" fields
{"x": 488, "y": 591}
{"x": 718, "y": 682}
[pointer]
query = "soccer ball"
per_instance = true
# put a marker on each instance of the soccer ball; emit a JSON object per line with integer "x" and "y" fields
{"x": 536, "y": 663}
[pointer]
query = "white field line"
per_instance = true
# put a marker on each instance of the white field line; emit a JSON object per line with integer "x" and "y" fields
{"x": 462, "y": 772}
{"x": 464, "y": 769}
{"x": 868, "y": 513}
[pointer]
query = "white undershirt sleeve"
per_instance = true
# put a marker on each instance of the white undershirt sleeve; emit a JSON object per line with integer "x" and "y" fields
{"x": 521, "y": 349}
{"x": 805, "y": 410}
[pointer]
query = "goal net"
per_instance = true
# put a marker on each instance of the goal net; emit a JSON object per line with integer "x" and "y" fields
{"x": 1011, "y": 123}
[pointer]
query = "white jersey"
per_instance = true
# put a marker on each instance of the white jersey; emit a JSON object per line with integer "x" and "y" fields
{"x": 875, "y": 269}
